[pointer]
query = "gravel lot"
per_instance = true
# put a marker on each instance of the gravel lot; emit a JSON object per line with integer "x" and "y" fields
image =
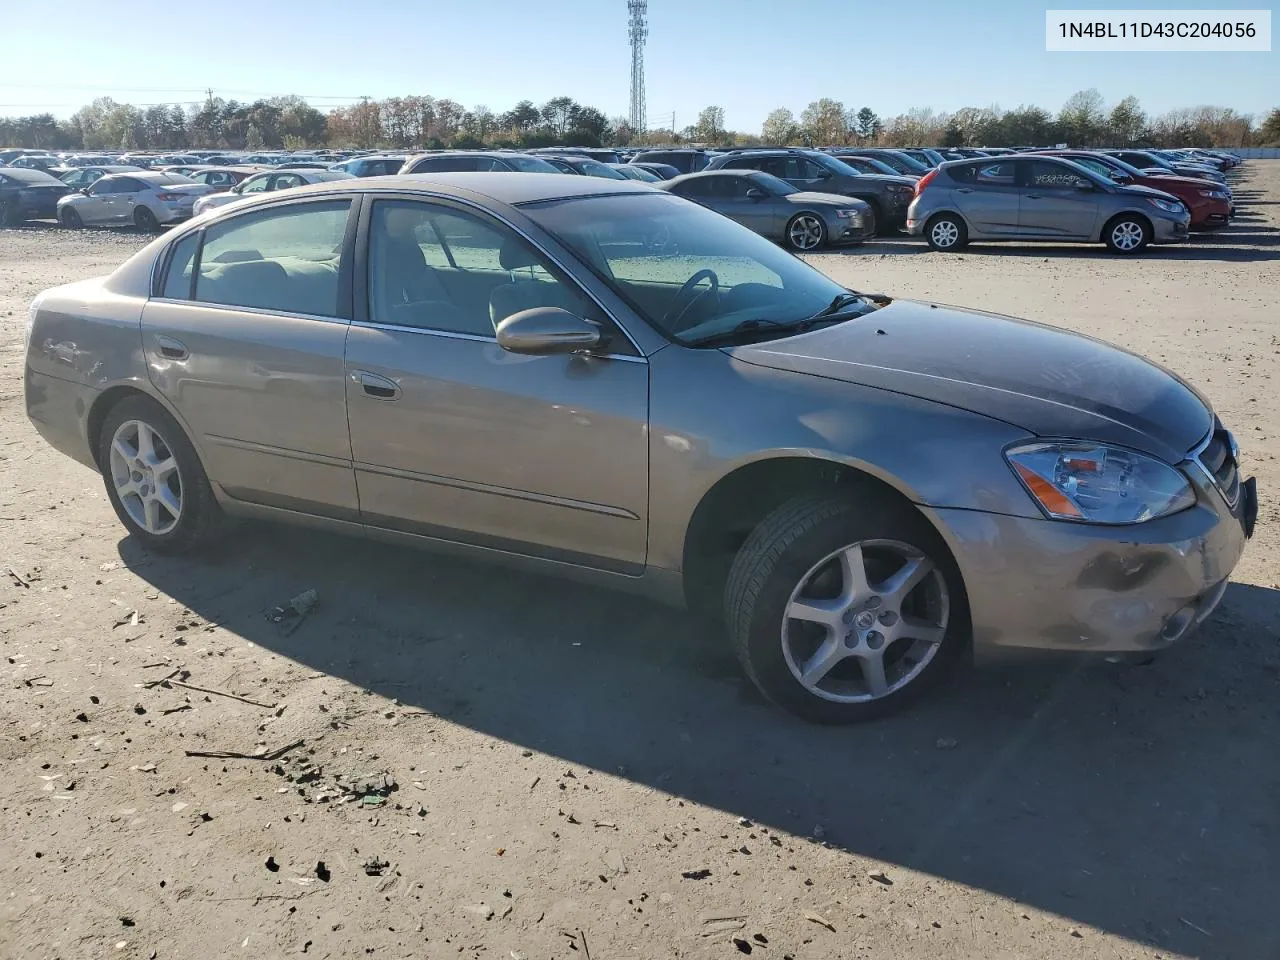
{"x": 494, "y": 765}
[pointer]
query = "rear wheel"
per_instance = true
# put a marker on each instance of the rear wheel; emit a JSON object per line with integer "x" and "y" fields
{"x": 154, "y": 479}
{"x": 9, "y": 215}
{"x": 145, "y": 220}
{"x": 946, "y": 232}
{"x": 70, "y": 218}
{"x": 844, "y": 609}
{"x": 1126, "y": 234}
{"x": 806, "y": 232}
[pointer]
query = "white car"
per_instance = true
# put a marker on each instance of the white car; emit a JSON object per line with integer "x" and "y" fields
{"x": 265, "y": 182}
{"x": 144, "y": 199}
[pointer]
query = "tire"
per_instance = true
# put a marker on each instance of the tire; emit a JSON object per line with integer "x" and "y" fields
{"x": 9, "y": 216}
{"x": 794, "y": 555}
{"x": 1126, "y": 234}
{"x": 70, "y": 218}
{"x": 806, "y": 232}
{"x": 879, "y": 225}
{"x": 946, "y": 232}
{"x": 197, "y": 520}
{"x": 145, "y": 220}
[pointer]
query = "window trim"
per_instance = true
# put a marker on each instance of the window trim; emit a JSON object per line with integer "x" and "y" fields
{"x": 360, "y": 288}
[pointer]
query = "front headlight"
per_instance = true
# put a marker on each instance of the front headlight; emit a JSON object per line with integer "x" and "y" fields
{"x": 1169, "y": 206}
{"x": 849, "y": 214}
{"x": 1096, "y": 483}
{"x": 1214, "y": 194}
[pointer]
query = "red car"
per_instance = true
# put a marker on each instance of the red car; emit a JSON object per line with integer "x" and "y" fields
{"x": 1209, "y": 202}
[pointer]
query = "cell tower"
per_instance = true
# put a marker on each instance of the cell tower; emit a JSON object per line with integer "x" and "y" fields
{"x": 638, "y": 30}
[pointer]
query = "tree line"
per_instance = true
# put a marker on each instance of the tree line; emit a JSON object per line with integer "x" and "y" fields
{"x": 427, "y": 122}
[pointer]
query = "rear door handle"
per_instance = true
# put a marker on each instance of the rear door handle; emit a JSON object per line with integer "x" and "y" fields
{"x": 172, "y": 349}
{"x": 378, "y": 387}
{"x": 1033, "y": 196}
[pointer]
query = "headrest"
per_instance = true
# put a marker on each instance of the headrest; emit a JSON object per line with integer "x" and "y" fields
{"x": 516, "y": 254}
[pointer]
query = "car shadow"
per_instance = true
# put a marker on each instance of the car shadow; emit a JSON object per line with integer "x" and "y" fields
{"x": 1139, "y": 800}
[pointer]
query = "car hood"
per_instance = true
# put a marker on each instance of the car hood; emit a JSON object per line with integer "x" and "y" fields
{"x": 1190, "y": 183}
{"x": 1047, "y": 381}
{"x": 813, "y": 198}
{"x": 1135, "y": 189}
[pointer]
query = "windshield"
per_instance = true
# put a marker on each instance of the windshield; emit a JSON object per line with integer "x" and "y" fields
{"x": 691, "y": 273}
{"x": 834, "y": 164}
{"x": 594, "y": 168}
{"x": 528, "y": 164}
{"x": 775, "y": 186}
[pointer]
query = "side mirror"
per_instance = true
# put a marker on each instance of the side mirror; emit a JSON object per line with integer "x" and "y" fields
{"x": 543, "y": 331}
{"x": 84, "y": 190}
{"x": 755, "y": 193}
{"x": 1119, "y": 176}
{"x": 1085, "y": 186}
{"x": 824, "y": 174}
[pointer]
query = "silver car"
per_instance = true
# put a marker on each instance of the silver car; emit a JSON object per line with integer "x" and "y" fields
{"x": 146, "y": 199}
{"x": 266, "y": 182}
{"x": 1040, "y": 198}
{"x": 601, "y": 380}
{"x": 805, "y": 220}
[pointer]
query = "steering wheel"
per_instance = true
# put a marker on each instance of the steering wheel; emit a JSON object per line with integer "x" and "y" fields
{"x": 688, "y": 296}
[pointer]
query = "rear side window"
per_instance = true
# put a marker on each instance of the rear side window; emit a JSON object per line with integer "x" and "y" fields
{"x": 177, "y": 277}
{"x": 284, "y": 259}
{"x": 692, "y": 188}
{"x": 994, "y": 174}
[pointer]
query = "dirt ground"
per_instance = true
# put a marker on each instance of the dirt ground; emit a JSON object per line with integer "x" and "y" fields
{"x": 463, "y": 761}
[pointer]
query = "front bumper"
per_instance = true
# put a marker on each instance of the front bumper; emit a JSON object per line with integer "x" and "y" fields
{"x": 1065, "y": 586}
{"x": 1171, "y": 229}
{"x": 842, "y": 230}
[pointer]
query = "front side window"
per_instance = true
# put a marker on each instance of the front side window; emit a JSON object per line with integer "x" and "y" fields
{"x": 105, "y": 186}
{"x": 284, "y": 259}
{"x": 698, "y": 187}
{"x": 256, "y": 184}
{"x": 689, "y": 272}
{"x": 1053, "y": 176}
{"x": 285, "y": 180}
{"x": 433, "y": 267}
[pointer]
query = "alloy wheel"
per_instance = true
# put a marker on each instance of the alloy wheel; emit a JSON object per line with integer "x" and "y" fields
{"x": 805, "y": 232}
{"x": 146, "y": 478}
{"x": 945, "y": 233}
{"x": 1127, "y": 235}
{"x": 865, "y": 621}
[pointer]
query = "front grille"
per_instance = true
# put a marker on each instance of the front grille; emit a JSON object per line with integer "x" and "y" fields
{"x": 1217, "y": 458}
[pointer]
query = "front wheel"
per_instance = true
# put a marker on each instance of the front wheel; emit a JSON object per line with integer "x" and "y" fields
{"x": 70, "y": 218}
{"x": 154, "y": 479}
{"x": 946, "y": 232}
{"x": 1127, "y": 234}
{"x": 806, "y": 232}
{"x": 845, "y": 608}
{"x": 9, "y": 216}
{"x": 145, "y": 220}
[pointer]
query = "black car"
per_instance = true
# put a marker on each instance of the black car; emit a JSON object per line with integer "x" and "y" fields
{"x": 820, "y": 172}
{"x": 904, "y": 164}
{"x": 476, "y": 161}
{"x": 686, "y": 161}
{"x": 603, "y": 154}
{"x": 29, "y": 195}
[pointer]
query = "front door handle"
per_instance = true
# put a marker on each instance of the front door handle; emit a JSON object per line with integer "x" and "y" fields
{"x": 172, "y": 349}
{"x": 378, "y": 387}
{"x": 964, "y": 190}
{"x": 1034, "y": 196}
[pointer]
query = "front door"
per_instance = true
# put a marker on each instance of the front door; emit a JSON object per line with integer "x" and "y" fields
{"x": 760, "y": 213}
{"x": 96, "y": 206}
{"x": 455, "y": 438}
{"x": 1057, "y": 202}
{"x": 250, "y": 355}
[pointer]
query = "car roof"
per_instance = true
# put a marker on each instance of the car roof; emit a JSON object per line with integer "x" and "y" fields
{"x": 501, "y": 187}
{"x": 29, "y": 174}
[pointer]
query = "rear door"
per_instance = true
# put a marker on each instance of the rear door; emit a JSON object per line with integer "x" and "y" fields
{"x": 251, "y": 353}
{"x": 988, "y": 195}
{"x": 455, "y": 438}
{"x": 123, "y": 199}
{"x": 1056, "y": 201}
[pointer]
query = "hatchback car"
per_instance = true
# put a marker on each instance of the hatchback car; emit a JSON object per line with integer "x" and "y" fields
{"x": 28, "y": 195}
{"x": 268, "y": 181}
{"x": 602, "y": 380}
{"x": 775, "y": 209}
{"x": 145, "y": 199}
{"x": 1040, "y": 198}
{"x": 1209, "y": 203}
{"x": 813, "y": 170}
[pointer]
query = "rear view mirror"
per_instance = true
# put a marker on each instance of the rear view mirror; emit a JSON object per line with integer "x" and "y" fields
{"x": 542, "y": 331}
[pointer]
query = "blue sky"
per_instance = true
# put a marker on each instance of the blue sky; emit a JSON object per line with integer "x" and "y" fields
{"x": 748, "y": 56}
